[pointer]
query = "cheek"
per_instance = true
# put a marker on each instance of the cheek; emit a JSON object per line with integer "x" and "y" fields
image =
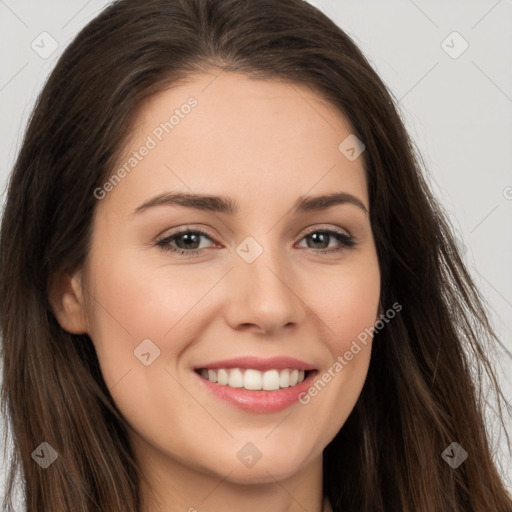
{"x": 349, "y": 304}
{"x": 349, "y": 309}
{"x": 132, "y": 303}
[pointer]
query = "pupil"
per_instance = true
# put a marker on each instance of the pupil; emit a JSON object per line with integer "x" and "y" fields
{"x": 186, "y": 237}
{"x": 317, "y": 235}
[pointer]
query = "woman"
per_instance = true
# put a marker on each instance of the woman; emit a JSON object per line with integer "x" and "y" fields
{"x": 263, "y": 368}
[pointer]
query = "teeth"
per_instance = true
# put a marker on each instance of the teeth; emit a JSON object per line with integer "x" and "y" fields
{"x": 236, "y": 378}
{"x": 270, "y": 380}
{"x": 254, "y": 379}
{"x": 284, "y": 379}
{"x": 222, "y": 376}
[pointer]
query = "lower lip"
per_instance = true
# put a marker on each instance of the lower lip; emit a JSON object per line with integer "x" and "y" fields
{"x": 259, "y": 401}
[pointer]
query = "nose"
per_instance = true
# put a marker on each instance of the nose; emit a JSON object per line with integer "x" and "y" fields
{"x": 262, "y": 295}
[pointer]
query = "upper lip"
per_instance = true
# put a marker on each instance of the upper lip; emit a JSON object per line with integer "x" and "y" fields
{"x": 258, "y": 363}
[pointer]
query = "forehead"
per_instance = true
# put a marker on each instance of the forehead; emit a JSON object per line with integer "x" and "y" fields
{"x": 228, "y": 132}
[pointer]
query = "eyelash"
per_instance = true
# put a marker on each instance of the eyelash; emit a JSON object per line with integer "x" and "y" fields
{"x": 346, "y": 241}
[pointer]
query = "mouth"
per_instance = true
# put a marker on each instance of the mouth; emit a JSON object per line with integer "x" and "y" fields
{"x": 256, "y": 385}
{"x": 255, "y": 380}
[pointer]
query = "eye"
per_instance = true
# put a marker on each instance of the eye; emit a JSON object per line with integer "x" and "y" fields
{"x": 188, "y": 241}
{"x": 323, "y": 237}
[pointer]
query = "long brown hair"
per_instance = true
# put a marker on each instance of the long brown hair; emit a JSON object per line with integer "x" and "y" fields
{"x": 425, "y": 384}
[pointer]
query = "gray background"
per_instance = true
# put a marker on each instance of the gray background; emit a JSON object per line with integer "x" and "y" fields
{"x": 458, "y": 109}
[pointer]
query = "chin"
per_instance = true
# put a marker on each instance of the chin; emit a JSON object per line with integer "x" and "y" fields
{"x": 268, "y": 464}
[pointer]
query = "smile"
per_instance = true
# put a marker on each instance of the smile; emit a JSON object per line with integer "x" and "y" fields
{"x": 254, "y": 380}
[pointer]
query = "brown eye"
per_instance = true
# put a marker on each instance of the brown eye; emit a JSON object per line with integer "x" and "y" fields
{"x": 185, "y": 242}
{"x": 319, "y": 240}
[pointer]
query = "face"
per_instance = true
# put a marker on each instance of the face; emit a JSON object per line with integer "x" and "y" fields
{"x": 270, "y": 287}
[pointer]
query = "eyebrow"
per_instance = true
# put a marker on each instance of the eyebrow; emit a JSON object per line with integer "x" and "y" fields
{"x": 229, "y": 206}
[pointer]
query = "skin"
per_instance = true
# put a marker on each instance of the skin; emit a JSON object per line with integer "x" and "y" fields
{"x": 263, "y": 144}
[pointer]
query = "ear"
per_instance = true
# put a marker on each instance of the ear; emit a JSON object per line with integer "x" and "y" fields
{"x": 67, "y": 302}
